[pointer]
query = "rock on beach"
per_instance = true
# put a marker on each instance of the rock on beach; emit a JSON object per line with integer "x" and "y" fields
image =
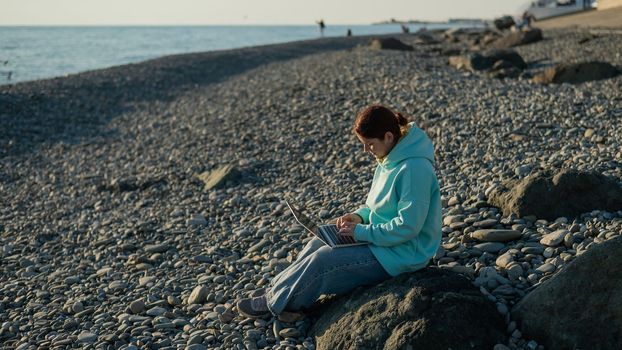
{"x": 198, "y": 295}
{"x": 411, "y": 311}
{"x": 577, "y": 73}
{"x": 554, "y": 238}
{"x": 563, "y": 193}
{"x": 517, "y": 38}
{"x": 389, "y": 44}
{"x": 492, "y": 235}
{"x": 588, "y": 283}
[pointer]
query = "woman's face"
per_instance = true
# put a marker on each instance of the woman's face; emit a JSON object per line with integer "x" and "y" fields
{"x": 377, "y": 147}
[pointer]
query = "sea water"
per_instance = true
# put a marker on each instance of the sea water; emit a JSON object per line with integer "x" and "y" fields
{"x": 30, "y": 53}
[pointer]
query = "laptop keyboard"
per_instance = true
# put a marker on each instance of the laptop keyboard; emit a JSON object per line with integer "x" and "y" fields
{"x": 332, "y": 232}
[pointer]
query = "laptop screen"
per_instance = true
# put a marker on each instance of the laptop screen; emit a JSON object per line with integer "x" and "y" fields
{"x": 302, "y": 218}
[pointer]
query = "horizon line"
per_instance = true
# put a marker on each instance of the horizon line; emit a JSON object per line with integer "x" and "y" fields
{"x": 215, "y": 25}
{"x": 416, "y": 21}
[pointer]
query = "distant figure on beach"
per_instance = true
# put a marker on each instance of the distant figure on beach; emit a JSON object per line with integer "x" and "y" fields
{"x": 405, "y": 29}
{"x": 322, "y": 26}
{"x": 349, "y": 33}
{"x": 399, "y": 224}
{"x": 526, "y": 20}
{"x": 9, "y": 73}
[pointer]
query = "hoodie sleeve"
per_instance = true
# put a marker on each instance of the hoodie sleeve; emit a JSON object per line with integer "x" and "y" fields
{"x": 363, "y": 212}
{"x": 414, "y": 190}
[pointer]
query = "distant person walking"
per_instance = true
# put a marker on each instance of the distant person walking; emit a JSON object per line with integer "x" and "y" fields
{"x": 322, "y": 26}
{"x": 9, "y": 73}
{"x": 526, "y": 20}
{"x": 349, "y": 33}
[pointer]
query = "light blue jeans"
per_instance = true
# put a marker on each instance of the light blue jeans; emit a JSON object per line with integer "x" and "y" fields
{"x": 319, "y": 270}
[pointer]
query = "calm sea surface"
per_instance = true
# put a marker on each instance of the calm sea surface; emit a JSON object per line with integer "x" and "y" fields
{"x": 29, "y": 53}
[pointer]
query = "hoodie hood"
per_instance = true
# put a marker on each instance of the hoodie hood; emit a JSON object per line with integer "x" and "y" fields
{"x": 414, "y": 144}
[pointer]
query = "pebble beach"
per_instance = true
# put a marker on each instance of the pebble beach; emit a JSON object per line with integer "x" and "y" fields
{"x": 108, "y": 239}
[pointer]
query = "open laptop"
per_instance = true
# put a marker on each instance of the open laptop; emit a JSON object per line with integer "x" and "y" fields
{"x": 326, "y": 233}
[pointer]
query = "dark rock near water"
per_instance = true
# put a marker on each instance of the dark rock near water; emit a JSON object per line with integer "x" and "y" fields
{"x": 453, "y": 35}
{"x": 472, "y": 62}
{"x": 581, "y": 306}
{"x": 425, "y": 39}
{"x": 577, "y": 73}
{"x": 428, "y": 309}
{"x": 473, "y": 36}
{"x": 518, "y": 38}
{"x": 500, "y": 63}
{"x": 493, "y": 59}
{"x": 509, "y": 58}
{"x": 505, "y": 22}
{"x": 567, "y": 193}
{"x": 389, "y": 44}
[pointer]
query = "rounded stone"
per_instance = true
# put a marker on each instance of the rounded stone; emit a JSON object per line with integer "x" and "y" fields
{"x": 87, "y": 337}
{"x": 137, "y": 306}
{"x": 198, "y": 295}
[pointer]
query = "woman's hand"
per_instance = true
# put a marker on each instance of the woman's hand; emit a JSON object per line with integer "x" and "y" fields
{"x": 351, "y": 217}
{"x": 347, "y": 223}
{"x": 347, "y": 229}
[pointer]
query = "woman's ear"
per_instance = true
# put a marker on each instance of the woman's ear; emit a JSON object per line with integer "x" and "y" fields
{"x": 388, "y": 137}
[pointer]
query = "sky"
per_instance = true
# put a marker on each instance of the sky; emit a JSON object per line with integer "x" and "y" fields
{"x": 218, "y": 12}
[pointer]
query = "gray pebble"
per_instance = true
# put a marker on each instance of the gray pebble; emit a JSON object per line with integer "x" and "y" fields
{"x": 198, "y": 295}
{"x": 87, "y": 337}
{"x": 137, "y": 306}
{"x": 157, "y": 248}
{"x": 490, "y": 247}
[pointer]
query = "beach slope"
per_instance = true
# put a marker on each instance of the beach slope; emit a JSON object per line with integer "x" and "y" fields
{"x": 108, "y": 238}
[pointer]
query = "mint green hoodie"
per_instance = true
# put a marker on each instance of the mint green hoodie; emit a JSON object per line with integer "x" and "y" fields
{"x": 402, "y": 213}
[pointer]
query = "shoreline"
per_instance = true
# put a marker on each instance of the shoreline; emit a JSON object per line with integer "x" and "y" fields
{"x": 331, "y": 34}
{"x": 112, "y": 89}
{"x": 608, "y": 18}
{"x": 311, "y": 45}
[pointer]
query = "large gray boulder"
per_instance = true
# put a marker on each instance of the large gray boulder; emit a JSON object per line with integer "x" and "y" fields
{"x": 495, "y": 63}
{"x": 428, "y": 309}
{"x": 424, "y": 38}
{"x": 487, "y": 60}
{"x": 521, "y": 37}
{"x": 581, "y": 306}
{"x": 577, "y": 73}
{"x": 504, "y": 22}
{"x": 471, "y": 62}
{"x": 567, "y": 193}
{"x": 389, "y": 44}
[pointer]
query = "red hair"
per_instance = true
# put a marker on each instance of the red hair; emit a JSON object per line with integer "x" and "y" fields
{"x": 374, "y": 121}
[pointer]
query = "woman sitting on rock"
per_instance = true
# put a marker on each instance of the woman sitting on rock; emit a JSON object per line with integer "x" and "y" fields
{"x": 400, "y": 221}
